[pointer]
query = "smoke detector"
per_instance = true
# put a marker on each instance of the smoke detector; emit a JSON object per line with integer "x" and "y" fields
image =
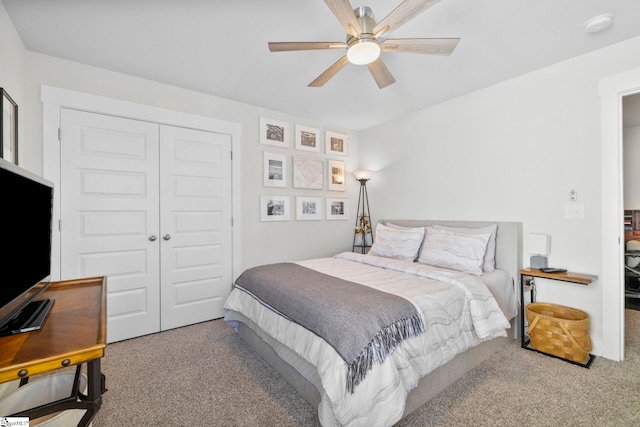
{"x": 598, "y": 23}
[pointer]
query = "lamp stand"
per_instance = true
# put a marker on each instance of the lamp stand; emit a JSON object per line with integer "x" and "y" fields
{"x": 363, "y": 221}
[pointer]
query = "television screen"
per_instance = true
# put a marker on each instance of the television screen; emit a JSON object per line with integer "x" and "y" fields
{"x": 26, "y": 212}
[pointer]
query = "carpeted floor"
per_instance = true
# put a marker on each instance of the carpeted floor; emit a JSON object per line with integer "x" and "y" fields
{"x": 204, "y": 375}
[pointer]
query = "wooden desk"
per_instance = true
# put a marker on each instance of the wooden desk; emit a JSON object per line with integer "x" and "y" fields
{"x": 526, "y": 285}
{"x": 73, "y": 334}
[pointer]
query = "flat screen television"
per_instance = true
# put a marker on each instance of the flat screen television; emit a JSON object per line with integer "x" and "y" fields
{"x": 26, "y": 214}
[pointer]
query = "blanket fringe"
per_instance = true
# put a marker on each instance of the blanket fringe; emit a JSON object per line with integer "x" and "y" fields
{"x": 380, "y": 347}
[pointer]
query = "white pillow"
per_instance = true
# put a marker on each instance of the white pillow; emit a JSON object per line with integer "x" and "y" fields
{"x": 398, "y": 243}
{"x": 456, "y": 251}
{"x": 489, "y": 263}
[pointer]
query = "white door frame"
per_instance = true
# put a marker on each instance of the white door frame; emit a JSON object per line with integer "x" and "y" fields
{"x": 612, "y": 90}
{"x": 54, "y": 99}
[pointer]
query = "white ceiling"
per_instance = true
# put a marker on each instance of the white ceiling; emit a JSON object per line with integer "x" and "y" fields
{"x": 220, "y": 47}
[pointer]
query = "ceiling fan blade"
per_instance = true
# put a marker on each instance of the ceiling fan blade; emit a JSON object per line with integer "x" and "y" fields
{"x": 428, "y": 46}
{"x": 402, "y": 14}
{"x": 289, "y": 46}
{"x": 330, "y": 72}
{"x": 380, "y": 73}
{"x": 344, "y": 12}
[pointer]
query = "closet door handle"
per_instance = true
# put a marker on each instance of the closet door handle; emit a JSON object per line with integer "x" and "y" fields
{"x": 152, "y": 238}
{"x": 167, "y": 236}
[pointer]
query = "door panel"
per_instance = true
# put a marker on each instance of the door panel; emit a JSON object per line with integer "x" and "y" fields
{"x": 196, "y": 265}
{"x": 109, "y": 208}
{"x": 124, "y": 181}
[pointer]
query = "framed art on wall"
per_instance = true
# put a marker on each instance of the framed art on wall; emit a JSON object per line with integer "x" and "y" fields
{"x": 337, "y": 208}
{"x": 8, "y": 128}
{"x": 275, "y": 170}
{"x": 308, "y": 208}
{"x": 336, "y": 143}
{"x": 274, "y": 132}
{"x": 307, "y": 139}
{"x": 308, "y": 173}
{"x": 337, "y": 174}
{"x": 275, "y": 208}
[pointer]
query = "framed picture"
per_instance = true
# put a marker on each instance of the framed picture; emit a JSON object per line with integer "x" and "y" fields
{"x": 9, "y": 128}
{"x": 308, "y": 208}
{"x": 308, "y": 173}
{"x": 337, "y": 175}
{"x": 337, "y": 208}
{"x": 275, "y": 208}
{"x": 275, "y": 170}
{"x": 307, "y": 139}
{"x": 274, "y": 132}
{"x": 336, "y": 143}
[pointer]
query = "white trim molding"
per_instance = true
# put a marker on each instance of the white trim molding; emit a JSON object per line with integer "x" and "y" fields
{"x": 612, "y": 89}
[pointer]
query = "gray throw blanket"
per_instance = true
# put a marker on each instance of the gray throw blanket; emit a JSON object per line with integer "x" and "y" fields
{"x": 361, "y": 323}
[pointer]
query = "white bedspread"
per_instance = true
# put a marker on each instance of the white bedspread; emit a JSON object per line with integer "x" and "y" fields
{"x": 458, "y": 312}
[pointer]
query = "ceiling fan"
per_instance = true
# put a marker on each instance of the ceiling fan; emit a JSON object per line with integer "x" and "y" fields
{"x": 365, "y": 39}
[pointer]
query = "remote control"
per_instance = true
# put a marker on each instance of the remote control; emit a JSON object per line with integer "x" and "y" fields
{"x": 553, "y": 270}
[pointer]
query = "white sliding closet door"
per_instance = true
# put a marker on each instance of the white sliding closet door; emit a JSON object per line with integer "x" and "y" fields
{"x": 148, "y": 206}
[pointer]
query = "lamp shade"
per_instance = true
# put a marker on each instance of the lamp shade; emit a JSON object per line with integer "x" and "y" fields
{"x": 363, "y": 174}
{"x": 539, "y": 244}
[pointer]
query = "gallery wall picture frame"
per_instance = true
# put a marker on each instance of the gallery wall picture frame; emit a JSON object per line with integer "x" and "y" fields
{"x": 8, "y": 128}
{"x": 307, "y": 138}
{"x": 337, "y": 208}
{"x": 275, "y": 208}
{"x": 336, "y": 172}
{"x": 275, "y": 170}
{"x": 336, "y": 143}
{"x": 275, "y": 132}
{"x": 308, "y": 208}
{"x": 308, "y": 173}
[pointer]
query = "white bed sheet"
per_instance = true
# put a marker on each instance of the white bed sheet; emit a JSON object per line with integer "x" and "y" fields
{"x": 503, "y": 289}
{"x": 458, "y": 310}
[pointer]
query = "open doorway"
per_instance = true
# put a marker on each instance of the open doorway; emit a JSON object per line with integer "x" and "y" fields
{"x": 613, "y": 90}
{"x": 631, "y": 198}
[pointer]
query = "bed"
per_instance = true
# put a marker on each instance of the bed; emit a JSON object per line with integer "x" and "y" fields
{"x": 439, "y": 316}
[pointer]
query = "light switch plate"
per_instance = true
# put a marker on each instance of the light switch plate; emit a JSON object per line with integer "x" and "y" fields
{"x": 574, "y": 211}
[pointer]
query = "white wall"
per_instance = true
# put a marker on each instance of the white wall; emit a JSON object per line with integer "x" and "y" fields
{"x": 513, "y": 152}
{"x": 631, "y": 150}
{"x": 262, "y": 242}
{"x": 12, "y": 53}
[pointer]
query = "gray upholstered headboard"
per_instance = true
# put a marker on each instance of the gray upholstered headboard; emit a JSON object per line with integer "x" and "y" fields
{"x": 508, "y": 240}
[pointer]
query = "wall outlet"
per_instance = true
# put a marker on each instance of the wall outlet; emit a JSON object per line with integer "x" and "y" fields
{"x": 574, "y": 211}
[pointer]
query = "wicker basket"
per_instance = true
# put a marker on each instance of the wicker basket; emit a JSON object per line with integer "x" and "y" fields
{"x": 559, "y": 330}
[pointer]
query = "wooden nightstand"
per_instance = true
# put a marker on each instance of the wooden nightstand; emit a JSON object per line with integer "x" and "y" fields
{"x": 527, "y": 285}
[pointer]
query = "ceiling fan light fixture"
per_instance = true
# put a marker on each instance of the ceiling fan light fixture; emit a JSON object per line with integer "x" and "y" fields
{"x": 363, "y": 44}
{"x": 363, "y": 51}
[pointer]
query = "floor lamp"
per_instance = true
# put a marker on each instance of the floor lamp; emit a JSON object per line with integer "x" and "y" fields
{"x": 363, "y": 237}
